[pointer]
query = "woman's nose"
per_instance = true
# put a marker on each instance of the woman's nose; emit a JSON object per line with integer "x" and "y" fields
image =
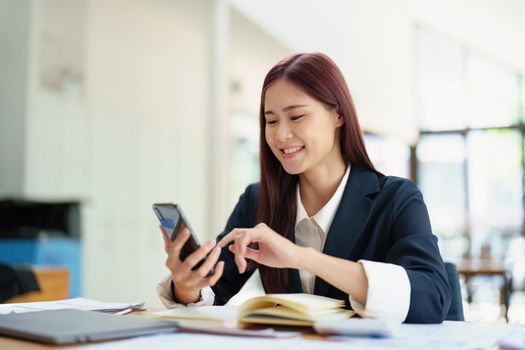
{"x": 284, "y": 132}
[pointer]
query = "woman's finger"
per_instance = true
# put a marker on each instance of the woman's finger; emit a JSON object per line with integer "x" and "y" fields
{"x": 252, "y": 254}
{"x": 243, "y": 241}
{"x": 212, "y": 280}
{"x": 179, "y": 241}
{"x": 165, "y": 239}
{"x": 230, "y": 237}
{"x": 210, "y": 262}
{"x": 239, "y": 260}
{"x": 201, "y": 273}
{"x": 199, "y": 254}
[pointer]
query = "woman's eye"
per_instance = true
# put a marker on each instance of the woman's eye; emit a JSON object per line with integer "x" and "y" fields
{"x": 297, "y": 117}
{"x": 271, "y": 122}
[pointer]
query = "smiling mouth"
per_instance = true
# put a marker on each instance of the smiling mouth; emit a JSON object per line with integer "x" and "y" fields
{"x": 291, "y": 151}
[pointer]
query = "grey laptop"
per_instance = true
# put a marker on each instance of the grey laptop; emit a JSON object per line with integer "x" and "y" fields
{"x": 76, "y": 326}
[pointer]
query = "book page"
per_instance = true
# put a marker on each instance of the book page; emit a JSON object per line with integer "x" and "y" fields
{"x": 205, "y": 313}
{"x": 309, "y": 301}
{"x": 300, "y": 302}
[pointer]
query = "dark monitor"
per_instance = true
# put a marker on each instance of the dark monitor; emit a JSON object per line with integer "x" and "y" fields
{"x": 20, "y": 218}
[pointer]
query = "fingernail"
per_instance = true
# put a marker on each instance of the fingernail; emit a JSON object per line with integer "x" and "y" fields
{"x": 210, "y": 243}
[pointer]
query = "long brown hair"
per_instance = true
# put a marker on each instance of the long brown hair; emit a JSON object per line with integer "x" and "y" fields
{"x": 319, "y": 77}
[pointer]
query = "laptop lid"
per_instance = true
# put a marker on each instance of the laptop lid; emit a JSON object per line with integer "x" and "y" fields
{"x": 78, "y": 326}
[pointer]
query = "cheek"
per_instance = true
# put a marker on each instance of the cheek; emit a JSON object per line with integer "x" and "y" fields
{"x": 321, "y": 137}
{"x": 309, "y": 135}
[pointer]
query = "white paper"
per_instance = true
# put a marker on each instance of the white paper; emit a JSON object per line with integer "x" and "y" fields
{"x": 514, "y": 338}
{"x": 447, "y": 336}
{"x": 74, "y": 303}
{"x": 261, "y": 333}
{"x": 358, "y": 327}
{"x": 186, "y": 341}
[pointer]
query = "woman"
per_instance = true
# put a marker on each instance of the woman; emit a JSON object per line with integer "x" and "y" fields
{"x": 322, "y": 220}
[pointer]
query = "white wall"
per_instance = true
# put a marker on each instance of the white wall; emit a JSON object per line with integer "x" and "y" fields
{"x": 253, "y": 52}
{"x": 14, "y": 55}
{"x": 127, "y": 116}
{"x": 134, "y": 133}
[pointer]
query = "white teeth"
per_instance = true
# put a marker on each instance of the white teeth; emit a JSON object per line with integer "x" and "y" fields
{"x": 292, "y": 149}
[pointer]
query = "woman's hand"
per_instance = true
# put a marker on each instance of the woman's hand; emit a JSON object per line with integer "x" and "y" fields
{"x": 189, "y": 282}
{"x": 274, "y": 250}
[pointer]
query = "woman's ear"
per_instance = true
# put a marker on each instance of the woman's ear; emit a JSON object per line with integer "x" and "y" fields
{"x": 340, "y": 120}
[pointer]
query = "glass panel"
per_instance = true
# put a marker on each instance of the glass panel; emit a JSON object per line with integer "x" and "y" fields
{"x": 494, "y": 189}
{"x": 492, "y": 94}
{"x": 521, "y": 107}
{"x": 441, "y": 179}
{"x": 440, "y": 84}
{"x": 389, "y": 156}
{"x": 245, "y": 153}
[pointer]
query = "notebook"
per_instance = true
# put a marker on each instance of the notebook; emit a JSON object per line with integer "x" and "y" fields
{"x": 78, "y": 326}
{"x": 291, "y": 309}
{"x": 359, "y": 327}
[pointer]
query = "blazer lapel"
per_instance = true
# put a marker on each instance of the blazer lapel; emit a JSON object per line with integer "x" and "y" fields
{"x": 350, "y": 218}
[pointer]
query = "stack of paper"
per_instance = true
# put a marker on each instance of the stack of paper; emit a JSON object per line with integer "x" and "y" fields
{"x": 75, "y": 303}
{"x": 359, "y": 327}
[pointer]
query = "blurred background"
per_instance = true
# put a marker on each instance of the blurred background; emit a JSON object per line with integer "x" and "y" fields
{"x": 107, "y": 106}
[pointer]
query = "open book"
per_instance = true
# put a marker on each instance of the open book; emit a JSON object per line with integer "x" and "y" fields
{"x": 277, "y": 309}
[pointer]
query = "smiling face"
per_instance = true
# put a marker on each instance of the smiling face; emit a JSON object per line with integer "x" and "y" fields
{"x": 302, "y": 132}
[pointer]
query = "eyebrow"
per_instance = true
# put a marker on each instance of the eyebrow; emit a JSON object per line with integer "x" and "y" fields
{"x": 286, "y": 109}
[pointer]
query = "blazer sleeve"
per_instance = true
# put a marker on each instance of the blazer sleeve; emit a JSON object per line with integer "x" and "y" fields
{"x": 243, "y": 216}
{"x": 415, "y": 248}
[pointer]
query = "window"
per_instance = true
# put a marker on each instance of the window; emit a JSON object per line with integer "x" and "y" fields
{"x": 245, "y": 153}
{"x": 495, "y": 188}
{"x": 470, "y": 157}
{"x": 442, "y": 166}
{"x": 389, "y": 156}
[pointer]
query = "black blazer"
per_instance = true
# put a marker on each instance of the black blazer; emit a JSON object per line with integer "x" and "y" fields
{"x": 380, "y": 218}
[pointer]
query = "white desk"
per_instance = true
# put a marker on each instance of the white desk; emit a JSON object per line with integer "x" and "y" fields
{"x": 447, "y": 336}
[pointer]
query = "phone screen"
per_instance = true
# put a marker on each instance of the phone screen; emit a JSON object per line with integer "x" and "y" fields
{"x": 169, "y": 218}
{"x": 173, "y": 221}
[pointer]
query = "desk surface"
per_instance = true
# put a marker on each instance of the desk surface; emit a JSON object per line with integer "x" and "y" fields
{"x": 457, "y": 335}
{"x": 482, "y": 267}
{"x": 11, "y": 343}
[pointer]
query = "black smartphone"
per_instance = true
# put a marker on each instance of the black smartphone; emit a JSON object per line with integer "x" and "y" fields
{"x": 173, "y": 221}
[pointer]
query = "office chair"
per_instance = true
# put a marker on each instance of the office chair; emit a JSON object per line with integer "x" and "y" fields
{"x": 15, "y": 281}
{"x": 455, "y": 312}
